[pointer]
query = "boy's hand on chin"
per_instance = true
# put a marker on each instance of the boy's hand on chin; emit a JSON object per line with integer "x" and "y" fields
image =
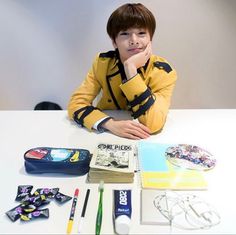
{"x": 136, "y": 61}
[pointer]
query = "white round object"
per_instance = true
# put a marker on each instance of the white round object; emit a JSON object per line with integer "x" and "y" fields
{"x": 122, "y": 224}
{"x": 190, "y": 157}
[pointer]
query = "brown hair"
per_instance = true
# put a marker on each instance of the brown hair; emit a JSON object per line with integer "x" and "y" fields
{"x": 128, "y": 16}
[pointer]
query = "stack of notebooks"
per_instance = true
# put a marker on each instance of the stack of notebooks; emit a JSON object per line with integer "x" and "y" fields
{"x": 112, "y": 163}
{"x": 165, "y": 168}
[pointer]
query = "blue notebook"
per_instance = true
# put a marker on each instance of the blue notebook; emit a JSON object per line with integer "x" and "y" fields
{"x": 157, "y": 172}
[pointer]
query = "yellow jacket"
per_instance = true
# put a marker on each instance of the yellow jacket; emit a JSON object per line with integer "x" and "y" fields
{"x": 147, "y": 95}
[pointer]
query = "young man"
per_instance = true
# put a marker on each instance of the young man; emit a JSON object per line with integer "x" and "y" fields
{"x": 130, "y": 77}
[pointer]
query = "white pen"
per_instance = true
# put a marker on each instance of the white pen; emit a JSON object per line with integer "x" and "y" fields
{"x": 83, "y": 211}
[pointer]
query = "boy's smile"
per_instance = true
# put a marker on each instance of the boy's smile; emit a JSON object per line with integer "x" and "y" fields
{"x": 131, "y": 41}
{"x": 135, "y": 50}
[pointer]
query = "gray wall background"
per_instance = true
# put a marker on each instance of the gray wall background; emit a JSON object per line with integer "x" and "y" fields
{"x": 47, "y": 47}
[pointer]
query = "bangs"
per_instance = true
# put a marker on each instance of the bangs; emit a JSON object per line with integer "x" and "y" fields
{"x": 131, "y": 19}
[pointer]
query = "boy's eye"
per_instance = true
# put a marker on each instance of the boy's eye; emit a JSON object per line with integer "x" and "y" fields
{"x": 142, "y": 33}
{"x": 123, "y": 33}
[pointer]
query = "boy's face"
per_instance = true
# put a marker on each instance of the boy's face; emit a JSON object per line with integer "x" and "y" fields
{"x": 131, "y": 41}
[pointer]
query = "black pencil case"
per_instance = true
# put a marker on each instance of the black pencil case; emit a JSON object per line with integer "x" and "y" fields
{"x": 57, "y": 160}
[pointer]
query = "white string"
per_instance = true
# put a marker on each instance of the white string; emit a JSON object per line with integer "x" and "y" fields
{"x": 188, "y": 212}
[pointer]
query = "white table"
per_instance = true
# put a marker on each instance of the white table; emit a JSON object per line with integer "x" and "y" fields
{"x": 21, "y": 130}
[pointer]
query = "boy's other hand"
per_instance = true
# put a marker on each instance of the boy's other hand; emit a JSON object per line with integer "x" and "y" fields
{"x": 127, "y": 129}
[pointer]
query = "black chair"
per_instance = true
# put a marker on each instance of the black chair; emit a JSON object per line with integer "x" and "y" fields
{"x": 46, "y": 105}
